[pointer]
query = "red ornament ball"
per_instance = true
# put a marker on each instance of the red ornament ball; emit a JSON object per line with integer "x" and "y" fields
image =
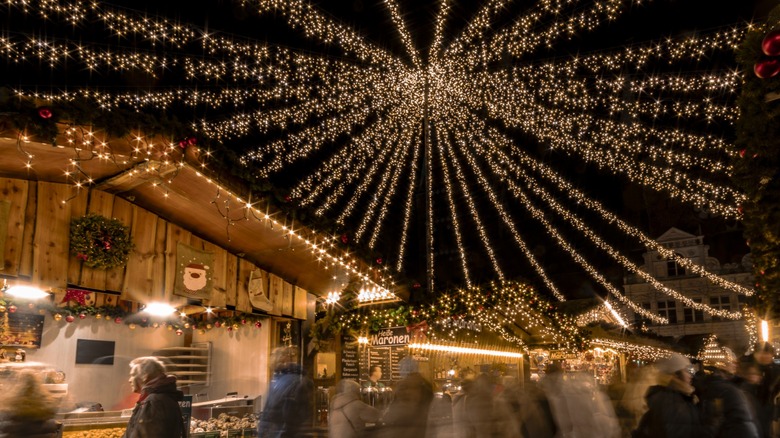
{"x": 11, "y": 309}
{"x": 344, "y": 238}
{"x": 771, "y": 43}
{"x": 45, "y": 112}
{"x": 70, "y": 318}
{"x": 767, "y": 68}
{"x": 179, "y": 332}
{"x": 192, "y": 141}
{"x": 258, "y": 324}
{"x": 118, "y": 320}
{"x": 82, "y": 315}
{"x": 379, "y": 261}
{"x": 217, "y": 324}
{"x": 243, "y": 321}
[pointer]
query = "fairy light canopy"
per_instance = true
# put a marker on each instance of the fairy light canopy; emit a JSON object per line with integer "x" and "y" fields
{"x": 452, "y": 143}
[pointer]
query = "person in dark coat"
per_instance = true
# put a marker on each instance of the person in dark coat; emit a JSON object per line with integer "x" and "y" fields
{"x": 157, "y": 412}
{"x": 672, "y": 410}
{"x": 768, "y": 389}
{"x": 725, "y": 411}
{"x": 289, "y": 406}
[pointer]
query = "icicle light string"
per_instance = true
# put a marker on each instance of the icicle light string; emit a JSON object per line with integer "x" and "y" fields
{"x": 581, "y": 198}
{"x": 453, "y": 209}
{"x": 508, "y": 221}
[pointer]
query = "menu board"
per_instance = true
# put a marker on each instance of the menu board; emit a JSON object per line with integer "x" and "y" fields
{"x": 350, "y": 359}
{"x": 381, "y": 357}
{"x": 396, "y": 354}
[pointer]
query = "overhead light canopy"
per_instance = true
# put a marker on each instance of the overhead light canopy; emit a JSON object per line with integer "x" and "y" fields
{"x": 26, "y": 292}
{"x": 159, "y": 309}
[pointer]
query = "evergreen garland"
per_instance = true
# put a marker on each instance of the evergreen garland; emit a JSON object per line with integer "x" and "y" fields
{"x": 100, "y": 242}
{"x": 757, "y": 168}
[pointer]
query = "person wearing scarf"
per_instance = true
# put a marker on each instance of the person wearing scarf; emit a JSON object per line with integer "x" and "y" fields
{"x": 157, "y": 413}
{"x": 672, "y": 410}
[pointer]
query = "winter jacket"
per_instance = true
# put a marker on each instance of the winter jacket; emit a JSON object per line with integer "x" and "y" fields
{"x": 157, "y": 413}
{"x": 671, "y": 412}
{"x": 349, "y": 415}
{"x": 289, "y": 407}
{"x": 724, "y": 410}
{"x": 28, "y": 428}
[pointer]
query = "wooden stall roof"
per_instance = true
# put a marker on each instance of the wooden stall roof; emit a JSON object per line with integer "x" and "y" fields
{"x": 190, "y": 200}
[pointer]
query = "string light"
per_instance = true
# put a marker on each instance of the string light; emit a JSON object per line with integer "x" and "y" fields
{"x": 362, "y": 109}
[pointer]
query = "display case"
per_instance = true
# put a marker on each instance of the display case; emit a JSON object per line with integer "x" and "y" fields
{"x": 108, "y": 424}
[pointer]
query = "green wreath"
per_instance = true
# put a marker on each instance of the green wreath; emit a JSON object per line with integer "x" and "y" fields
{"x": 100, "y": 242}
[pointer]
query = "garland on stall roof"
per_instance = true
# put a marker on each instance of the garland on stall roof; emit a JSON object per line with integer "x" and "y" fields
{"x": 757, "y": 161}
{"x": 100, "y": 242}
{"x": 461, "y": 314}
{"x": 120, "y": 315}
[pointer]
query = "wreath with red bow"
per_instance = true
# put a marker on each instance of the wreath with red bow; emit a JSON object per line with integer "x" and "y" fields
{"x": 100, "y": 242}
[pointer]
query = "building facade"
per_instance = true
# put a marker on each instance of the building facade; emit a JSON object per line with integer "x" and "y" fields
{"x": 685, "y": 321}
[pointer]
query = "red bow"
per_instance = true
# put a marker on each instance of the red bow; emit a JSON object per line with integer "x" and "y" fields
{"x": 78, "y": 295}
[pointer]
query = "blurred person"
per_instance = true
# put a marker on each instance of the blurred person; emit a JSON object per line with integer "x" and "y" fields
{"x": 372, "y": 387}
{"x": 374, "y": 374}
{"x": 348, "y": 413}
{"x": 27, "y": 409}
{"x": 748, "y": 380}
{"x": 724, "y": 408}
{"x": 407, "y": 415}
{"x": 157, "y": 412}
{"x": 440, "y": 416}
{"x": 579, "y": 408}
{"x": 672, "y": 410}
{"x": 473, "y": 414}
{"x": 634, "y": 403}
{"x": 289, "y": 406}
{"x": 768, "y": 389}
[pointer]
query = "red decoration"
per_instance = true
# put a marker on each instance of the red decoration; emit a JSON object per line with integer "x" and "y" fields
{"x": 107, "y": 244}
{"x": 243, "y": 321}
{"x": 742, "y": 153}
{"x": 417, "y": 332}
{"x": 767, "y": 68}
{"x": 11, "y": 309}
{"x": 78, "y": 295}
{"x": 82, "y": 256}
{"x": 179, "y": 332}
{"x": 416, "y": 285}
{"x": 183, "y": 144}
{"x": 70, "y": 318}
{"x": 258, "y": 324}
{"x": 45, "y": 112}
{"x": 287, "y": 198}
{"x": 118, "y": 320}
{"x": 379, "y": 261}
{"x": 192, "y": 141}
{"x": 82, "y": 315}
{"x": 771, "y": 43}
{"x": 344, "y": 238}
{"x": 217, "y": 324}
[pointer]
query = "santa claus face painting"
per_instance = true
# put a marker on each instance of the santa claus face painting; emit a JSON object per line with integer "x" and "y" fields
{"x": 195, "y": 277}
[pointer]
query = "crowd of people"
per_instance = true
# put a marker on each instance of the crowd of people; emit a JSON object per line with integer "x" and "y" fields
{"x": 721, "y": 397}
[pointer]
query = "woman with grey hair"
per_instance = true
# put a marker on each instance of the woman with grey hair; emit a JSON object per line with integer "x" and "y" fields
{"x": 157, "y": 412}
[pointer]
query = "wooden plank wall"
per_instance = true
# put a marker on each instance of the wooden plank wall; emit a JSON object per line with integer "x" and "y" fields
{"x": 37, "y": 250}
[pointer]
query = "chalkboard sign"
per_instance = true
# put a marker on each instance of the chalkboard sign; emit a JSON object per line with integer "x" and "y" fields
{"x": 21, "y": 329}
{"x": 94, "y": 352}
{"x": 381, "y": 357}
{"x": 350, "y": 360}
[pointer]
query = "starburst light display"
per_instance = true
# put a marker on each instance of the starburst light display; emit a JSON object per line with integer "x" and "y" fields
{"x": 450, "y": 159}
